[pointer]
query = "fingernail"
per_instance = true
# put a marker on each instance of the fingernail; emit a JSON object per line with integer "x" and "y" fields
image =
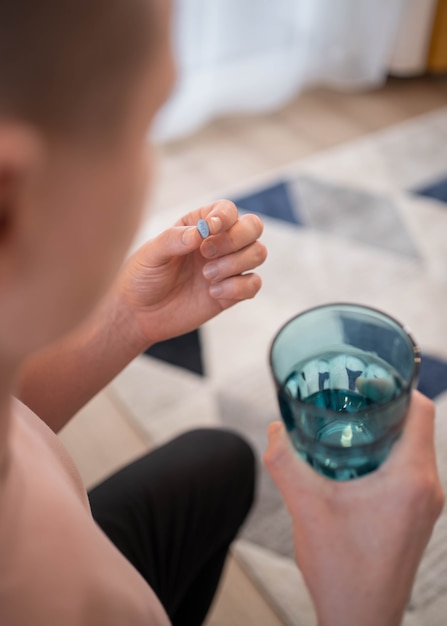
{"x": 210, "y": 271}
{"x": 189, "y": 235}
{"x": 216, "y": 224}
{"x": 274, "y": 428}
{"x": 209, "y": 249}
{"x": 216, "y": 291}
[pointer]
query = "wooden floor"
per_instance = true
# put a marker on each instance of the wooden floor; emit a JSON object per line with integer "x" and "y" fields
{"x": 229, "y": 151}
{"x": 224, "y": 155}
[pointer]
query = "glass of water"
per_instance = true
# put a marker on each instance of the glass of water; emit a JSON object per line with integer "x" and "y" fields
{"x": 344, "y": 374}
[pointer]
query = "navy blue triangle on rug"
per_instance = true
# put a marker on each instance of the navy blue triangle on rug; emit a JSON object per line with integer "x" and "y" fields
{"x": 273, "y": 201}
{"x": 437, "y": 190}
{"x": 432, "y": 376}
{"x": 184, "y": 351}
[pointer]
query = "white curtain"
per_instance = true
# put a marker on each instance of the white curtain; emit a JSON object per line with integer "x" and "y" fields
{"x": 253, "y": 55}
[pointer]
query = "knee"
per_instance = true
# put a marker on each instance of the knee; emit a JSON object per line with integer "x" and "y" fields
{"x": 229, "y": 454}
{"x": 237, "y": 453}
{"x": 226, "y": 446}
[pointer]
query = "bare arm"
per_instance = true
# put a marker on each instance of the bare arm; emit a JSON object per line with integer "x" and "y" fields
{"x": 163, "y": 291}
{"x": 60, "y": 380}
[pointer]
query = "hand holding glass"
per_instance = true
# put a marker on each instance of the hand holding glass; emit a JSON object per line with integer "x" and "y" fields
{"x": 344, "y": 375}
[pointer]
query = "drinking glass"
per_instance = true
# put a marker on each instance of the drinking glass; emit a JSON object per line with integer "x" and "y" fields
{"x": 343, "y": 375}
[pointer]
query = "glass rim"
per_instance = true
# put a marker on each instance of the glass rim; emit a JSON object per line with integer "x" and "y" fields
{"x": 415, "y": 350}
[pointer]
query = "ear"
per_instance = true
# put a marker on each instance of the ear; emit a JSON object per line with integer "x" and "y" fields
{"x": 20, "y": 154}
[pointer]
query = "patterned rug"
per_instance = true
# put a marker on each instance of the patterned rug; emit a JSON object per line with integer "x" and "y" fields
{"x": 364, "y": 222}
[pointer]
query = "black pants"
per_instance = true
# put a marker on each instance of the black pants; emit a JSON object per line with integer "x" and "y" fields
{"x": 174, "y": 513}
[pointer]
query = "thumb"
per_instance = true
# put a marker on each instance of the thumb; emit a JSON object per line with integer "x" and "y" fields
{"x": 286, "y": 468}
{"x": 175, "y": 241}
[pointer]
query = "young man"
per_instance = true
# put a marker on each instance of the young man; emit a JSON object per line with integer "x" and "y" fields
{"x": 80, "y": 81}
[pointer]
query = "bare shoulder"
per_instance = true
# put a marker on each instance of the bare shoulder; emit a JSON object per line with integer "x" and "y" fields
{"x": 53, "y": 554}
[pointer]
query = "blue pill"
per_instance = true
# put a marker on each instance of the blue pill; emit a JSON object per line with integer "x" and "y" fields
{"x": 203, "y": 228}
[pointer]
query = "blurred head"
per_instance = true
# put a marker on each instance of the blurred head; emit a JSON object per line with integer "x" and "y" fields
{"x": 80, "y": 82}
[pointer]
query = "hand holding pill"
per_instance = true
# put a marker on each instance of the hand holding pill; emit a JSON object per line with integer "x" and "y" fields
{"x": 194, "y": 270}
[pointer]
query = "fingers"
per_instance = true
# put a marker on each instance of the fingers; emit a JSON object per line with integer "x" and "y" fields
{"x": 220, "y": 216}
{"x": 419, "y": 428}
{"x": 229, "y": 233}
{"x": 279, "y": 457}
{"x": 233, "y": 264}
{"x": 376, "y": 389}
{"x": 246, "y": 230}
{"x": 287, "y": 469}
{"x": 236, "y": 288}
{"x": 175, "y": 241}
{"x": 413, "y": 462}
{"x": 417, "y": 440}
{"x": 232, "y": 252}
